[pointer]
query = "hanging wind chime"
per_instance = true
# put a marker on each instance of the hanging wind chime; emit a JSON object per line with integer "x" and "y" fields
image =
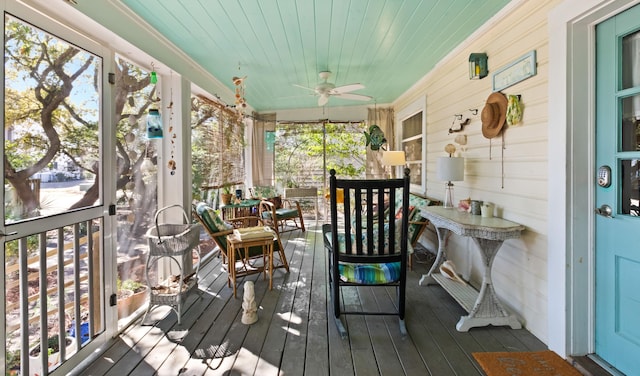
{"x": 240, "y": 102}
{"x": 171, "y": 165}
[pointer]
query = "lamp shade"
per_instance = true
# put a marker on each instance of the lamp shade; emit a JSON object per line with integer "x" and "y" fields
{"x": 450, "y": 168}
{"x": 393, "y": 158}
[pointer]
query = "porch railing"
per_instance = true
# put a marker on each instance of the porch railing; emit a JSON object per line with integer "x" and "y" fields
{"x": 53, "y": 290}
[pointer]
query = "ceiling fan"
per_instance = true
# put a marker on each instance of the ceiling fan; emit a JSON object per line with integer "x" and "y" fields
{"x": 326, "y": 89}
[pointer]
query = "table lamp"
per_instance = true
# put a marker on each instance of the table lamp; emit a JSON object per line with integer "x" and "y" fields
{"x": 392, "y": 159}
{"x": 450, "y": 169}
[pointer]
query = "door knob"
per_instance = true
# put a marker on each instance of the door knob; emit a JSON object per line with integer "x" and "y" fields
{"x": 605, "y": 211}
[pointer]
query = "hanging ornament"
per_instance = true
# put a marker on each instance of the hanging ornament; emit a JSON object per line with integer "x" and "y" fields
{"x": 154, "y": 124}
{"x": 270, "y": 139}
{"x": 172, "y": 165}
{"x": 375, "y": 138}
{"x": 153, "y": 76}
{"x": 240, "y": 102}
{"x": 129, "y": 137}
{"x": 514, "y": 110}
{"x": 132, "y": 120}
{"x": 146, "y": 166}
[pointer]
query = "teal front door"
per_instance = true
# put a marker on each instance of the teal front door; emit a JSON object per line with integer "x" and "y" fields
{"x": 617, "y": 218}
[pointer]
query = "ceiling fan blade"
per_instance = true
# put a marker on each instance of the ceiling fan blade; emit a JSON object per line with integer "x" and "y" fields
{"x": 322, "y": 100}
{"x": 304, "y": 87}
{"x": 357, "y": 97}
{"x": 346, "y": 88}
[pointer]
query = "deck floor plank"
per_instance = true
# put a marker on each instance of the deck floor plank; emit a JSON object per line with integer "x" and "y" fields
{"x": 296, "y": 333}
{"x": 170, "y": 353}
{"x": 386, "y": 357}
{"x": 277, "y": 312}
{"x": 298, "y": 320}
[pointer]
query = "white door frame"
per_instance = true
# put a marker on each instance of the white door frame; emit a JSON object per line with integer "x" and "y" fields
{"x": 571, "y": 135}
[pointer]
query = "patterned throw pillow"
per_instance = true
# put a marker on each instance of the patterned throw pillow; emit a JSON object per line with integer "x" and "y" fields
{"x": 376, "y": 231}
{"x": 399, "y": 212}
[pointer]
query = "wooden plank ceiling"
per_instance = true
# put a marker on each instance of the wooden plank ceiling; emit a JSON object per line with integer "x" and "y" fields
{"x": 386, "y": 46}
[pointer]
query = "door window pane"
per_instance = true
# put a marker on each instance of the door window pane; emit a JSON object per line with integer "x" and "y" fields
{"x": 630, "y": 184}
{"x": 52, "y": 102}
{"x": 631, "y": 60}
{"x": 630, "y": 139}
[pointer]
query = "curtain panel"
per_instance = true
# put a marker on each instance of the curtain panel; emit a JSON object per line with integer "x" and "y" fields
{"x": 263, "y": 154}
{"x": 218, "y": 134}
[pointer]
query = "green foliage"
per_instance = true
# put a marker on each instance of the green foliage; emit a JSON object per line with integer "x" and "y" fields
{"x": 11, "y": 248}
{"x": 226, "y": 189}
{"x": 53, "y": 346}
{"x": 44, "y": 79}
{"x": 130, "y": 284}
{"x": 198, "y": 159}
{"x": 217, "y": 142}
{"x": 300, "y": 149}
{"x": 13, "y": 359}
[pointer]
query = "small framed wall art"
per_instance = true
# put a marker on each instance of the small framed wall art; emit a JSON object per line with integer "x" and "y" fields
{"x": 521, "y": 69}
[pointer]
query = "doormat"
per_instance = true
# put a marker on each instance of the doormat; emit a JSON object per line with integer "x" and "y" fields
{"x": 539, "y": 363}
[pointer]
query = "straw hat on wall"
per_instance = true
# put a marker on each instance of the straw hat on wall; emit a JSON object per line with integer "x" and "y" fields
{"x": 493, "y": 115}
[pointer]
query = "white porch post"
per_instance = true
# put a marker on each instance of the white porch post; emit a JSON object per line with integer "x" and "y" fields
{"x": 176, "y": 188}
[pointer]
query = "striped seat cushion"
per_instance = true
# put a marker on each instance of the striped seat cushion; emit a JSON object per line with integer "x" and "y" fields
{"x": 369, "y": 274}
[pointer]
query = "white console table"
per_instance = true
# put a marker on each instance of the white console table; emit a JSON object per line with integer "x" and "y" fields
{"x": 484, "y": 307}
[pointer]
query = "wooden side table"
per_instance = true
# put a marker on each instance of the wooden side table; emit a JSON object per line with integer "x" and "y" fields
{"x": 240, "y": 264}
{"x": 483, "y": 306}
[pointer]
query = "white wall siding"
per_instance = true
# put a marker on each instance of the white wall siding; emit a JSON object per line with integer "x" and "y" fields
{"x": 520, "y": 269}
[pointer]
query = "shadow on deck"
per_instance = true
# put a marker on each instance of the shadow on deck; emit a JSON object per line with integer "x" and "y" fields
{"x": 293, "y": 335}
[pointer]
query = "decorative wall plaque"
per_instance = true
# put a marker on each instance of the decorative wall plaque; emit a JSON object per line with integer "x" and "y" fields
{"x": 521, "y": 69}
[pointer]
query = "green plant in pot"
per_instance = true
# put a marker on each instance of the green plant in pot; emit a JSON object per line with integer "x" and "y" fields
{"x": 131, "y": 296}
{"x": 226, "y": 194}
{"x": 53, "y": 353}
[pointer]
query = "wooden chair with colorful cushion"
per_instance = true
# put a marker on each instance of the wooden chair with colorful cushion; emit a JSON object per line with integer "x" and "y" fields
{"x": 218, "y": 230}
{"x": 281, "y": 219}
{"x": 371, "y": 249}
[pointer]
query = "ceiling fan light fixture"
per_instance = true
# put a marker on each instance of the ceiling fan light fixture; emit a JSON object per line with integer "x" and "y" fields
{"x": 324, "y": 99}
{"x": 324, "y": 75}
{"x": 326, "y": 89}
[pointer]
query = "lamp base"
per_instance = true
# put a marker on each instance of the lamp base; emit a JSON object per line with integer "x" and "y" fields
{"x": 448, "y": 196}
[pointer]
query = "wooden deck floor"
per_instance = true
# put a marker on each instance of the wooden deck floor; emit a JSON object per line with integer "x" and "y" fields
{"x": 293, "y": 335}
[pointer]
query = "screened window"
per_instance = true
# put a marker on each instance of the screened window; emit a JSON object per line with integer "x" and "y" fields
{"x": 51, "y": 123}
{"x": 217, "y": 141}
{"x": 412, "y": 141}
